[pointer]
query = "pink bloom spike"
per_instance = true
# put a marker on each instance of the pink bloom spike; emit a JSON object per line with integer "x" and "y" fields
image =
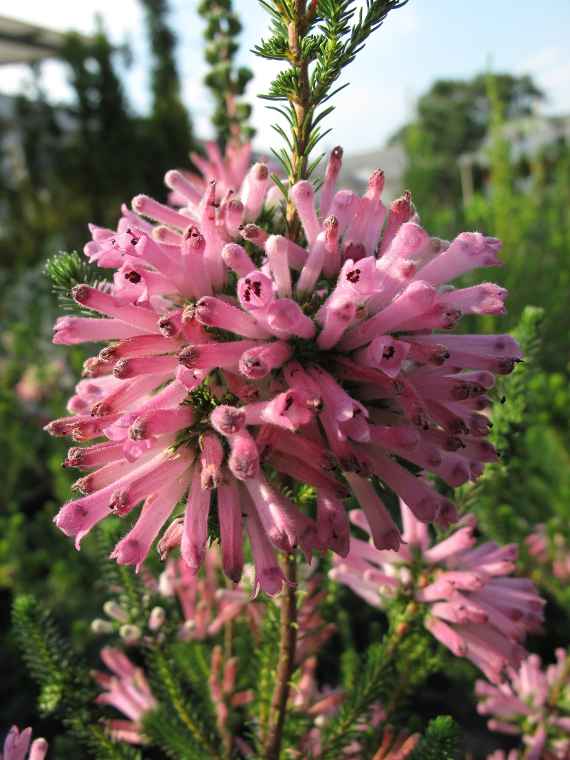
{"x": 257, "y": 371}
{"x": 465, "y": 590}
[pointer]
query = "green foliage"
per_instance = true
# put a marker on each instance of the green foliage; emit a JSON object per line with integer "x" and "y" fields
{"x": 440, "y": 742}
{"x": 509, "y": 412}
{"x": 188, "y": 713}
{"x": 322, "y": 36}
{"x": 65, "y": 270}
{"x": 530, "y": 484}
{"x": 344, "y": 32}
{"x": 76, "y": 161}
{"x": 387, "y": 674}
{"x": 67, "y": 689}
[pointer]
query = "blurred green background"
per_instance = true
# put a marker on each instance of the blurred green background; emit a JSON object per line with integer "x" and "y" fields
{"x": 476, "y": 153}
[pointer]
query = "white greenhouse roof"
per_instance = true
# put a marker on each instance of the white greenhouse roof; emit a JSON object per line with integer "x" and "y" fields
{"x": 21, "y": 42}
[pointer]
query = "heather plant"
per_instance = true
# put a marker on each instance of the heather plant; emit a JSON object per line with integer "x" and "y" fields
{"x": 307, "y": 496}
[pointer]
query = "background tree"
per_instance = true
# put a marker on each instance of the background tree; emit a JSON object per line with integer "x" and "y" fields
{"x": 170, "y": 127}
{"x": 453, "y": 118}
{"x": 226, "y": 82}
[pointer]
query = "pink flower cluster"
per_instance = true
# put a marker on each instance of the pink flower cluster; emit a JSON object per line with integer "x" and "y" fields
{"x": 473, "y": 606}
{"x": 532, "y": 703}
{"x": 233, "y": 369}
{"x": 17, "y": 746}
{"x": 553, "y": 552}
{"x": 128, "y": 691}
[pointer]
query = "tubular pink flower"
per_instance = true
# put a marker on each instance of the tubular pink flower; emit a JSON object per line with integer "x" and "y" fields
{"x": 304, "y": 199}
{"x": 337, "y": 315}
{"x": 257, "y": 362}
{"x": 285, "y": 319}
{"x": 331, "y": 175}
{"x": 401, "y": 211}
{"x": 332, "y": 523}
{"x": 17, "y": 746}
{"x": 71, "y": 330}
{"x": 472, "y": 606}
{"x": 195, "y": 531}
{"x": 385, "y": 533}
{"x": 244, "y": 456}
{"x": 133, "y": 549}
{"x": 312, "y": 267}
{"x": 468, "y": 251}
{"x": 343, "y": 207}
{"x": 236, "y": 258}
{"x": 211, "y": 458}
{"x": 230, "y": 530}
{"x": 254, "y": 189}
{"x": 268, "y": 575}
{"x": 213, "y": 312}
{"x": 276, "y": 248}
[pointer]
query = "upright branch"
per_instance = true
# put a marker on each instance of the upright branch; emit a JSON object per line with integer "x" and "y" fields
{"x": 285, "y": 664}
{"x": 301, "y": 100}
{"x": 317, "y": 39}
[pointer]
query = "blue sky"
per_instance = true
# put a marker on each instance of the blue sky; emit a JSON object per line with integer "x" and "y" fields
{"x": 424, "y": 41}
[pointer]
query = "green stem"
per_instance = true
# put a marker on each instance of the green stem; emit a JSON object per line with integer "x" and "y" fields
{"x": 286, "y": 662}
{"x": 303, "y": 107}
